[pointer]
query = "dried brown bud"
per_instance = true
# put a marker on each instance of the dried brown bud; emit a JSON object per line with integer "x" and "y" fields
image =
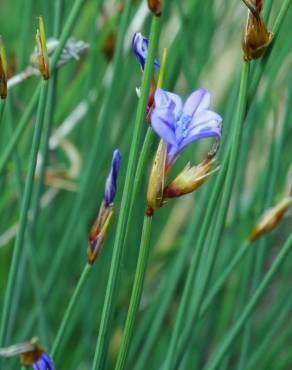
{"x": 108, "y": 46}
{"x": 42, "y": 53}
{"x": 98, "y": 232}
{"x": 155, "y": 6}
{"x": 190, "y": 179}
{"x": 271, "y": 219}
{"x": 156, "y": 180}
{"x": 256, "y": 37}
{"x": 3, "y": 71}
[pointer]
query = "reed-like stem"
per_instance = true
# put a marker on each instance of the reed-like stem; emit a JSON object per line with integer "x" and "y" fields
{"x": 69, "y": 310}
{"x": 23, "y": 215}
{"x": 224, "y": 203}
{"x": 136, "y": 294}
{"x": 234, "y": 331}
{"x": 102, "y": 342}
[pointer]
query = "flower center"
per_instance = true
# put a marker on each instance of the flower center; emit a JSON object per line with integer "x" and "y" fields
{"x": 181, "y": 127}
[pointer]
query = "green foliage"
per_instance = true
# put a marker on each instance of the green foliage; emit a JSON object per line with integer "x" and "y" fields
{"x": 210, "y": 298}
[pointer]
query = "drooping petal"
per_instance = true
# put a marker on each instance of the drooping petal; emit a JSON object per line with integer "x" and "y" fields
{"x": 170, "y": 100}
{"x": 198, "y": 101}
{"x": 162, "y": 123}
{"x": 202, "y": 131}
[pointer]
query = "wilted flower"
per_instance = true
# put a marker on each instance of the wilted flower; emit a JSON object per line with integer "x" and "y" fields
{"x": 256, "y": 37}
{"x": 42, "y": 53}
{"x": 140, "y": 49}
{"x": 3, "y": 71}
{"x": 271, "y": 218}
{"x": 99, "y": 229}
{"x": 31, "y": 354}
{"x": 180, "y": 124}
{"x": 155, "y": 6}
{"x": 190, "y": 179}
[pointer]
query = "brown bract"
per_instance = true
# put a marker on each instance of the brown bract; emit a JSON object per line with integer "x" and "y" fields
{"x": 156, "y": 180}
{"x": 3, "y": 81}
{"x": 98, "y": 232}
{"x": 271, "y": 218}
{"x": 155, "y": 6}
{"x": 256, "y": 37}
{"x": 189, "y": 180}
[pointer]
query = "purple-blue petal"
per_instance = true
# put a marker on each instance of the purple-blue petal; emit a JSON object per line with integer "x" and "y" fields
{"x": 43, "y": 363}
{"x": 111, "y": 181}
{"x": 171, "y": 101}
{"x": 140, "y": 49}
{"x": 198, "y": 101}
{"x": 203, "y": 117}
{"x": 202, "y": 131}
{"x": 161, "y": 122}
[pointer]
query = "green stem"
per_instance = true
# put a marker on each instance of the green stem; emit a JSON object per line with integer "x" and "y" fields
{"x": 101, "y": 346}
{"x": 23, "y": 215}
{"x": 67, "y": 29}
{"x": 223, "y": 208}
{"x": 136, "y": 294}
{"x": 66, "y": 318}
{"x": 2, "y": 107}
{"x": 19, "y": 129}
{"x": 234, "y": 331}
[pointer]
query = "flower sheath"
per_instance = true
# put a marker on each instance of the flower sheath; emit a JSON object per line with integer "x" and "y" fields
{"x": 99, "y": 229}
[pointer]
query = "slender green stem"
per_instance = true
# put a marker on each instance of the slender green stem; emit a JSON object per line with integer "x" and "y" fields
{"x": 67, "y": 29}
{"x": 101, "y": 347}
{"x": 136, "y": 294}
{"x": 19, "y": 130}
{"x": 234, "y": 331}
{"x": 66, "y": 318}
{"x": 2, "y": 107}
{"x": 23, "y": 215}
{"x": 91, "y": 163}
{"x": 223, "y": 208}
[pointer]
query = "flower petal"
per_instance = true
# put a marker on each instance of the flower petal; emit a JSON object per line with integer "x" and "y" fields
{"x": 198, "y": 101}
{"x": 203, "y": 117}
{"x": 202, "y": 131}
{"x": 161, "y": 122}
{"x": 167, "y": 99}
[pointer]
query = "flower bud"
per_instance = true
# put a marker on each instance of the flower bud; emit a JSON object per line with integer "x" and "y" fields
{"x": 42, "y": 53}
{"x": 31, "y": 354}
{"x": 98, "y": 232}
{"x": 271, "y": 218}
{"x": 156, "y": 180}
{"x": 155, "y": 6}
{"x": 100, "y": 227}
{"x": 140, "y": 49}
{"x": 111, "y": 181}
{"x": 3, "y": 71}
{"x": 190, "y": 179}
{"x": 256, "y": 37}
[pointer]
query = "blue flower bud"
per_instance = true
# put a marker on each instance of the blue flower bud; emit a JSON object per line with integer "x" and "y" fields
{"x": 140, "y": 49}
{"x": 43, "y": 363}
{"x": 111, "y": 181}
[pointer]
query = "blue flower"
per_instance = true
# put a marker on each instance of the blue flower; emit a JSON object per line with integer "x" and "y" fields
{"x": 179, "y": 124}
{"x": 111, "y": 181}
{"x": 43, "y": 363}
{"x": 140, "y": 49}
